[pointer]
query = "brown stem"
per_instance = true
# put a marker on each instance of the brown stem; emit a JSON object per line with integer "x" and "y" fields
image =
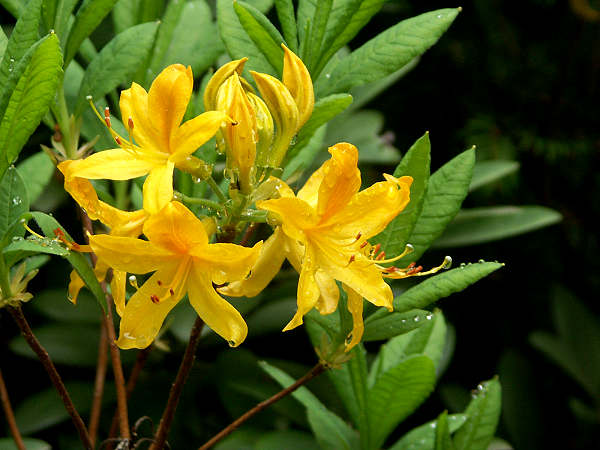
{"x": 184, "y": 370}
{"x": 140, "y": 360}
{"x": 10, "y": 416}
{"x": 101, "y": 366}
{"x": 316, "y": 370}
{"x": 248, "y": 233}
{"x": 44, "y": 358}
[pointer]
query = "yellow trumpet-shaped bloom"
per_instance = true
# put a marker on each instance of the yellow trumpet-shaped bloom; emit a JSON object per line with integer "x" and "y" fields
{"x": 161, "y": 143}
{"x": 324, "y": 232}
{"x": 183, "y": 260}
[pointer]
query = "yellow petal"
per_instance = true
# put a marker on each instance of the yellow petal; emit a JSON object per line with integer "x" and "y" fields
{"x": 297, "y": 79}
{"x": 296, "y": 215}
{"x": 265, "y": 129}
{"x": 355, "y": 306}
{"x": 142, "y": 318}
{"x": 158, "y": 188}
{"x": 372, "y": 209}
{"x": 219, "y": 77}
{"x": 214, "y": 310}
{"x": 176, "y": 230}
{"x": 330, "y": 294}
{"x": 118, "y": 286}
{"x": 308, "y": 290}
{"x": 134, "y": 106}
{"x": 194, "y": 133}
{"x": 116, "y": 164}
{"x": 129, "y": 254}
{"x": 75, "y": 286}
{"x": 226, "y": 262}
{"x": 168, "y": 98}
{"x": 264, "y": 270}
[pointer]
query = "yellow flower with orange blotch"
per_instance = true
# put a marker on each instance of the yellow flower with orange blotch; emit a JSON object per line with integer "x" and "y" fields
{"x": 183, "y": 261}
{"x": 160, "y": 141}
{"x": 324, "y": 232}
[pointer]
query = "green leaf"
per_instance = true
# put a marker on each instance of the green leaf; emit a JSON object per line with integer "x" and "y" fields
{"x": 389, "y": 51}
{"x": 486, "y": 172}
{"x": 237, "y": 41}
{"x": 48, "y": 224}
{"x": 416, "y": 164}
{"x": 30, "y": 99}
{"x": 311, "y": 45}
{"x": 331, "y": 431}
{"x": 15, "y": 7}
{"x": 483, "y": 413}
{"x": 37, "y": 170}
{"x": 116, "y": 63}
{"x": 384, "y": 326}
{"x": 478, "y": 225}
{"x": 443, "y": 441}
{"x": 325, "y": 110}
{"x": 88, "y": 17}
{"x": 446, "y": 190}
{"x": 3, "y": 43}
{"x": 13, "y": 203}
{"x": 423, "y": 437}
{"x": 20, "y": 249}
{"x": 30, "y": 444}
{"x": 125, "y": 14}
{"x": 287, "y": 19}
{"x": 396, "y": 394}
{"x": 303, "y": 159}
{"x": 262, "y": 32}
{"x": 54, "y": 304}
{"x": 285, "y": 439}
{"x": 63, "y": 20}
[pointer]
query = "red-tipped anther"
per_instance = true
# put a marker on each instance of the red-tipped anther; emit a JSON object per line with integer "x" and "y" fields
{"x": 107, "y": 117}
{"x": 376, "y": 249}
{"x": 380, "y": 256}
{"x": 364, "y": 244}
{"x": 171, "y": 291}
{"x": 130, "y": 123}
{"x": 411, "y": 265}
{"x": 154, "y": 298}
{"x": 352, "y": 258}
{"x": 391, "y": 269}
{"x": 414, "y": 270}
{"x": 358, "y": 236}
{"x": 159, "y": 282}
{"x": 118, "y": 140}
{"x": 58, "y": 232}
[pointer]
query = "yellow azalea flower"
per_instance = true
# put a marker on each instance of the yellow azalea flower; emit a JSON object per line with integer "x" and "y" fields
{"x": 262, "y": 128}
{"x": 120, "y": 223}
{"x": 324, "y": 232}
{"x": 182, "y": 259}
{"x": 153, "y": 118}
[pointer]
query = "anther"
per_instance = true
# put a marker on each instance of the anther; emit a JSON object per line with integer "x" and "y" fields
{"x": 107, "y": 117}
{"x": 375, "y": 249}
{"x": 133, "y": 281}
{"x": 130, "y": 123}
{"x": 118, "y": 140}
{"x": 364, "y": 244}
{"x": 380, "y": 256}
{"x": 171, "y": 291}
{"x": 159, "y": 282}
{"x": 358, "y": 236}
{"x": 154, "y": 298}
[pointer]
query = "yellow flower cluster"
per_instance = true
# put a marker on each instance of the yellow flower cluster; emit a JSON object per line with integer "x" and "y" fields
{"x": 323, "y": 230}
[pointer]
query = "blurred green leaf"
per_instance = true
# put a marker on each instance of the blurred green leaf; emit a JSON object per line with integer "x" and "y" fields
{"x": 482, "y": 414}
{"x": 64, "y": 20}
{"x": 262, "y": 32}
{"x": 13, "y": 203}
{"x": 3, "y": 43}
{"x": 303, "y": 159}
{"x": 286, "y": 439}
{"x": 396, "y": 394}
{"x": 54, "y": 304}
{"x": 30, "y": 99}
{"x": 15, "y": 7}
{"x": 385, "y": 326}
{"x": 331, "y": 431}
{"x": 388, "y": 51}
{"x": 125, "y": 14}
{"x": 287, "y": 19}
{"x": 237, "y": 41}
{"x": 37, "y": 170}
{"x": 423, "y": 437}
{"x": 486, "y": 172}
{"x": 88, "y": 17}
{"x": 478, "y": 225}
{"x": 271, "y": 317}
{"x": 446, "y": 190}
{"x": 30, "y": 444}
{"x": 443, "y": 441}
{"x": 116, "y": 63}
{"x": 415, "y": 163}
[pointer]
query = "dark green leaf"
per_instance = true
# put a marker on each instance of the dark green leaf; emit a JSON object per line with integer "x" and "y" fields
{"x": 446, "y": 190}
{"x": 271, "y": 318}
{"x": 116, "y": 63}
{"x": 15, "y": 7}
{"x": 331, "y": 431}
{"x": 285, "y": 439}
{"x": 262, "y": 32}
{"x": 443, "y": 441}
{"x": 486, "y": 172}
{"x": 389, "y": 51}
{"x": 169, "y": 22}
{"x": 125, "y": 14}
{"x": 37, "y": 170}
{"x": 3, "y": 43}
{"x": 30, "y": 444}
{"x": 22, "y": 248}
{"x": 423, "y": 437}
{"x": 54, "y": 305}
{"x": 483, "y": 413}
{"x": 30, "y": 99}
{"x": 311, "y": 46}
{"x": 416, "y": 164}
{"x": 384, "y": 326}
{"x": 287, "y": 19}
{"x": 396, "y": 394}
{"x": 478, "y": 225}
{"x": 13, "y": 203}
{"x": 64, "y": 19}
{"x": 88, "y": 17}
{"x": 303, "y": 159}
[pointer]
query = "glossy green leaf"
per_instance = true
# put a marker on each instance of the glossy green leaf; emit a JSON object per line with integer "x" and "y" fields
{"x": 478, "y": 225}
{"x": 416, "y": 163}
{"x": 237, "y": 41}
{"x": 37, "y": 170}
{"x": 30, "y": 99}
{"x": 305, "y": 156}
{"x": 63, "y": 19}
{"x": 19, "y": 249}
{"x": 384, "y": 326}
{"x": 446, "y": 190}
{"x": 287, "y": 19}
{"x": 331, "y": 431}
{"x": 443, "y": 441}
{"x": 482, "y": 414}
{"x": 30, "y": 444}
{"x": 325, "y": 110}
{"x": 13, "y": 203}
{"x": 423, "y": 437}
{"x": 389, "y": 50}
{"x": 88, "y": 17}
{"x": 396, "y": 394}
{"x": 262, "y": 32}
{"x": 116, "y": 63}
{"x": 3, "y": 43}
{"x": 486, "y": 172}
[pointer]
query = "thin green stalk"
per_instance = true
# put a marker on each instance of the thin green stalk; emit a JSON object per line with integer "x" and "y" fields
{"x": 4, "y": 279}
{"x": 216, "y": 189}
{"x": 199, "y": 201}
{"x": 121, "y": 194}
{"x": 63, "y": 122}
